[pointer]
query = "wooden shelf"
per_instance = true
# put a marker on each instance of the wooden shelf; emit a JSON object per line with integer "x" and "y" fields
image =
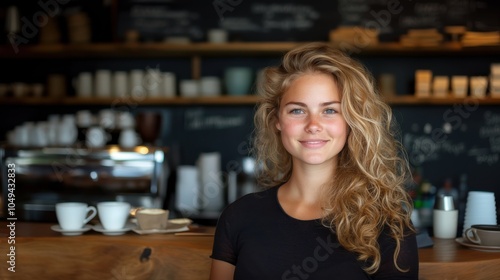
{"x": 219, "y": 100}
{"x": 145, "y": 50}
{"x": 412, "y": 100}
{"x": 226, "y": 100}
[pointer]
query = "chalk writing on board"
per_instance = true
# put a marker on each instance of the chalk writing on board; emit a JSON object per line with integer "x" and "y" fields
{"x": 420, "y": 148}
{"x": 164, "y": 21}
{"x": 268, "y": 16}
{"x": 353, "y": 12}
{"x": 199, "y": 119}
{"x": 424, "y": 148}
{"x": 488, "y": 152}
{"x": 484, "y": 156}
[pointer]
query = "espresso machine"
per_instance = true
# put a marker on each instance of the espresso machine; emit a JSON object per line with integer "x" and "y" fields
{"x": 47, "y": 175}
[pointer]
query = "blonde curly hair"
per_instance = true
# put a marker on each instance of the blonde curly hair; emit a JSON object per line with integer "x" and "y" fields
{"x": 367, "y": 193}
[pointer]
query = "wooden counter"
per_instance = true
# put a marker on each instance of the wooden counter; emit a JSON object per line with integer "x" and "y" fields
{"x": 41, "y": 253}
{"x": 44, "y": 254}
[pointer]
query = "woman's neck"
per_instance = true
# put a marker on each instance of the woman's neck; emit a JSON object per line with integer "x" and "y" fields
{"x": 300, "y": 197}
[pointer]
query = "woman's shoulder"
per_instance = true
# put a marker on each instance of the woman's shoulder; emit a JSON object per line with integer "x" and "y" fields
{"x": 260, "y": 196}
{"x": 255, "y": 202}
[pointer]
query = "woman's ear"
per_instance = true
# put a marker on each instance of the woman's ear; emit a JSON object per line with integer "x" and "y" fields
{"x": 278, "y": 126}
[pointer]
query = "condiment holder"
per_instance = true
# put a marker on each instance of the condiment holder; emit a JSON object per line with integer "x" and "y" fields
{"x": 445, "y": 217}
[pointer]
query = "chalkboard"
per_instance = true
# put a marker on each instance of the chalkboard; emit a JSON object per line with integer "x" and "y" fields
{"x": 447, "y": 141}
{"x": 299, "y": 20}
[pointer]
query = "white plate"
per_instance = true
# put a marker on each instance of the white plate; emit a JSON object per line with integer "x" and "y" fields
{"x": 466, "y": 243}
{"x": 71, "y": 232}
{"x": 173, "y": 225}
{"x": 101, "y": 229}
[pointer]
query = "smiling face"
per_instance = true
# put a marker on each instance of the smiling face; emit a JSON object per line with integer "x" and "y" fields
{"x": 313, "y": 129}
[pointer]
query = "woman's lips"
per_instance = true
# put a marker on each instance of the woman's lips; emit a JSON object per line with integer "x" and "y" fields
{"x": 313, "y": 143}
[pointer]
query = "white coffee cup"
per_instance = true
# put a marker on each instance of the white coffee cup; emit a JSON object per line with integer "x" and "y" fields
{"x": 128, "y": 138}
{"x": 67, "y": 132}
{"x": 74, "y": 215}
{"x": 96, "y": 137}
{"x": 107, "y": 118}
{"x": 125, "y": 120}
{"x": 40, "y": 135}
{"x": 113, "y": 214}
{"x": 84, "y": 118}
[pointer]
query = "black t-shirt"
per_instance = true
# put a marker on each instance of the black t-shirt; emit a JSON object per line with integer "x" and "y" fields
{"x": 256, "y": 235}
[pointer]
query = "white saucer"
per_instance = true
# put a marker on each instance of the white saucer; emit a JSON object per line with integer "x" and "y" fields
{"x": 71, "y": 232}
{"x": 483, "y": 248}
{"x": 99, "y": 228}
{"x": 173, "y": 226}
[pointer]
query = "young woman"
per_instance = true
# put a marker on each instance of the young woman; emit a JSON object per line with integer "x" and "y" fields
{"x": 335, "y": 206}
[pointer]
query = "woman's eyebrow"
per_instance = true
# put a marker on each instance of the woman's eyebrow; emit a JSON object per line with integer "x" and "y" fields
{"x": 304, "y": 105}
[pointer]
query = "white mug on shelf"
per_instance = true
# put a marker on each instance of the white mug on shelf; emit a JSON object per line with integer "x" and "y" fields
{"x": 189, "y": 88}
{"x": 120, "y": 83}
{"x": 136, "y": 87}
{"x": 103, "y": 83}
{"x": 168, "y": 84}
{"x": 152, "y": 82}
{"x": 83, "y": 84}
{"x": 210, "y": 86}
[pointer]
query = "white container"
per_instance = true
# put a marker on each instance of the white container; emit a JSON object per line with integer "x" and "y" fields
{"x": 103, "y": 82}
{"x": 189, "y": 88}
{"x": 440, "y": 86}
{"x": 210, "y": 86}
{"x": 423, "y": 83}
{"x": 152, "y": 82}
{"x": 187, "y": 190}
{"x": 83, "y": 84}
{"x": 459, "y": 85}
{"x": 136, "y": 87}
{"x": 217, "y": 36}
{"x": 478, "y": 86}
{"x": 168, "y": 84}
{"x": 120, "y": 84}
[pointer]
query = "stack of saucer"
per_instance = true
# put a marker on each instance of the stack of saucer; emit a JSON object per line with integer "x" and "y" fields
{"x": 480, "y": 209}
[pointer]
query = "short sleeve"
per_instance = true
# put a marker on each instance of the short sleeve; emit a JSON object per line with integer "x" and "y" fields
{"x": 224, "y": 241}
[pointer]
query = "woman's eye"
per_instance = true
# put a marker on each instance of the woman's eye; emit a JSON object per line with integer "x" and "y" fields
{"x": 330, "y": 111}
{"x": 296, "y": 111}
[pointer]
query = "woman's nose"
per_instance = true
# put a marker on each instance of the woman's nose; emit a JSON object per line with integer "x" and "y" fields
{"x": 313, "y": 125}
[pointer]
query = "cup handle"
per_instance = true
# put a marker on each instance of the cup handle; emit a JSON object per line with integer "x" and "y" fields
{"x": 91, "y": 212}
{"x": 474, "y": 238}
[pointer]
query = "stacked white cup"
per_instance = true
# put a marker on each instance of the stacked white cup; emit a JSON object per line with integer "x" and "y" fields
{"x": 480, "y": 209}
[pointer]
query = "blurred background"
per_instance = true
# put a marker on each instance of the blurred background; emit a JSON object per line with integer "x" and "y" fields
{"x": 86, "y": 84}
